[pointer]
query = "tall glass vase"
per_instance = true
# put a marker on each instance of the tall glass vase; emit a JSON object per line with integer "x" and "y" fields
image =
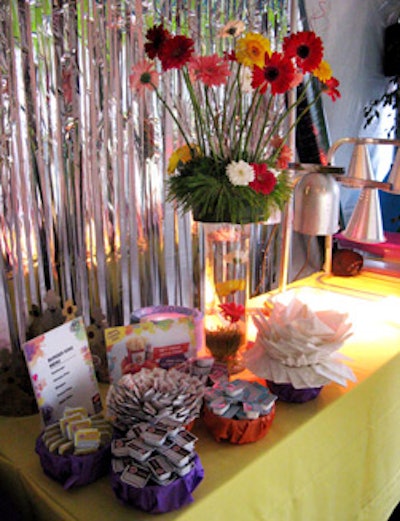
{"x": 225, "y": 289}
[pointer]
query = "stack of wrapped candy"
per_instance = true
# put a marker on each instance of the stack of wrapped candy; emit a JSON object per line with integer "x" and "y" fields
{"x": 76, "y": 449}
{"x": 154, "y": 463}
{"x": 153, "y": 454}
{"x": 239, "y": 411}
{"x": 154, "y": 394}
{"x": 77, "y": 433}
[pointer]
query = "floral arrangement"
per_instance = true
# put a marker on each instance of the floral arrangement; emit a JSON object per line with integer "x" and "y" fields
{"x": 231, "y": 165}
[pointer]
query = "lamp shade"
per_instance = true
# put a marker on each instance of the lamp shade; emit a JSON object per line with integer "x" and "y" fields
{"x": 360, "y": 165}
{"x": 365, "y": 224}
{"x": 394, "y": 177}
{"x": 316, "y": 204}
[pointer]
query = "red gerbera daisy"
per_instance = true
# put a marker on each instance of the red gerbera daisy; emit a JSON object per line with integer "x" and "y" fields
{"x": 264, "y": 180}
{"x": 306, "y": 47}
{"x": 211, "y": 70}
{"x": 176, "y": 52}
{"x": 230, "y": 55}
{"x": 278, "y": 72}
{"x": 232, "y": 311}
{"x": 330, "y": 87}
{"x": 157, "y": 36}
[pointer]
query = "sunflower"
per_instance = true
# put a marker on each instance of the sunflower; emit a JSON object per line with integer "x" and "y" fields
{"x": 69, "y": 310}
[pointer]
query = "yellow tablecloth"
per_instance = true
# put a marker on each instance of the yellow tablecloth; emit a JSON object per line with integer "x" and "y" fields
{"x": 336, "y": 458}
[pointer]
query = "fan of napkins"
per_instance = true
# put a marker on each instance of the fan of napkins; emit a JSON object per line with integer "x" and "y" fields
{"x": 298, "y": 345}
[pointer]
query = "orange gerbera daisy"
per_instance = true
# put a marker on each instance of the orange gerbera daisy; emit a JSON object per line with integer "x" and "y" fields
{"x": 251, "y": 49}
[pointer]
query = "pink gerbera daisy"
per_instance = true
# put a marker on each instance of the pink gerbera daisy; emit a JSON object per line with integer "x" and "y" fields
{"x": 278, "y": 72}
{"x": 211, "y": 70}
{"x": 264, "y": 180}
{"x": 143, "y": 76}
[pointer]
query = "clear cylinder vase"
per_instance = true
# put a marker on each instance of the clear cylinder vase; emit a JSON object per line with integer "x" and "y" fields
{"x": 225, "y": 280}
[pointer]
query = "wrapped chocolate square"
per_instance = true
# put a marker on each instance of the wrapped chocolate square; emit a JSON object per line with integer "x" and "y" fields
{"x": 75, "y": 451}
{"x": 238, "y": 411}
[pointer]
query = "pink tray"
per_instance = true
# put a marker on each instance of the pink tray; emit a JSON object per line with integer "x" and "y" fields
{"x": 389, "y": 250}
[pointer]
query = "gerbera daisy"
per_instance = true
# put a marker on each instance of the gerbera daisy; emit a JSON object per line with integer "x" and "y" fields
{"x": 232, "y": 311}
{"x": 251, "y": 49}
{"x": 157, "y": 36}
{"x": 245, "y": 78}
{"x": 176, "y": 52}
{"x": 278, "y": 72}
{"x": 143, "y": 76}
{"x": 211, "y": 70}
{"x": 233, "y": 28}
{"x": 264, "y": 180}
{"x": 229, "y": 287}
{"x": 285, "y": 153}
{"x": 240, "y": 173}
{"x": 330, "y": 87}
{"x": 182, "y": 154}
{"x": 306, "y": 47}
{"x": 323, "y": 72}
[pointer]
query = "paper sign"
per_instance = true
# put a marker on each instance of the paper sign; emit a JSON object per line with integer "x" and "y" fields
{"x": 164, "y": 343}
{"x": 62, "y": 372}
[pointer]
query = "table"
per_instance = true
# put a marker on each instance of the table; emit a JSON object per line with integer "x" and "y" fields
{"x": 334, "y": 458}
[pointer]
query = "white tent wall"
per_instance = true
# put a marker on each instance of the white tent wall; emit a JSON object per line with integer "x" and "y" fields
{"x": 353, "y": 35}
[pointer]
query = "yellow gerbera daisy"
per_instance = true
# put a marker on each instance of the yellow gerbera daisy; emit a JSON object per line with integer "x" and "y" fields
{"x": 182, "y": 154}
{"x": 229, "y": 287}
{"x": 323, "y": 72}
{"x": 251, "y": 49}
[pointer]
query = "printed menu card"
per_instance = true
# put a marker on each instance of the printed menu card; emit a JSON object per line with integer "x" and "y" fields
{"x": 62, "y": 372}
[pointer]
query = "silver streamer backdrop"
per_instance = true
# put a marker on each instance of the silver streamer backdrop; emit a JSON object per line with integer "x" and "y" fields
{"x": 83, "y": 161}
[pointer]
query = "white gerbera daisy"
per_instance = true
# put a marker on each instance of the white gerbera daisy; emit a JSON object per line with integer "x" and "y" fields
{"x": 246, "y": 76}
{"x": 240, "y": 173}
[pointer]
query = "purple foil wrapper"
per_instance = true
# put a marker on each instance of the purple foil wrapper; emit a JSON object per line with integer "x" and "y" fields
{"x": 74, "y": 471}
{"x": 160, "y": 499}
{"x": 287, "y": 393}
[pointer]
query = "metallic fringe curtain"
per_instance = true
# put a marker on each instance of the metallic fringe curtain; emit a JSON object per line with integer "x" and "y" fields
{"x": 83, "y": 162}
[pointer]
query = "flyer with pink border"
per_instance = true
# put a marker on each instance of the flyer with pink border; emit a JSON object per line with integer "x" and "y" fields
{"x": 62, "y": 372}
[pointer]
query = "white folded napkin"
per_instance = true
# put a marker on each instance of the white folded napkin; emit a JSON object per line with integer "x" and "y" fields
{"x": 298, "y": 345}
